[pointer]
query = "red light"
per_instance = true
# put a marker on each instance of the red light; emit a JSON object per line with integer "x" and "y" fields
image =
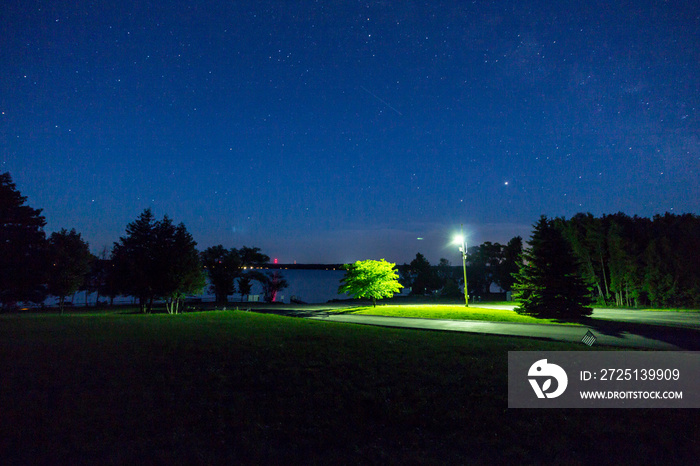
{"x": 275, "y": 260}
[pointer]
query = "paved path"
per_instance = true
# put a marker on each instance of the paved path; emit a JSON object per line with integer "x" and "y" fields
{"x": 672, "y": 318}
{"x": 659, "y": 339}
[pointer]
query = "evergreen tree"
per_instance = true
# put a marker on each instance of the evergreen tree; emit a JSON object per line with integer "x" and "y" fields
{"x": 548, "y": 284}
{"x": 23, "y": 262}
{"x": 133, "y": 258}
{"x": 157, "y": 260}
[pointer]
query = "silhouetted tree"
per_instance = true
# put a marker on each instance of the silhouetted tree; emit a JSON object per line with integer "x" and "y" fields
{"x": 424, "y": 277}
{"x": 272, "y": 284}
{"x": 512, "y": 261}
{"x": 133, "y": 258}
{"x": 157, "y": 260}
{"x": 110, "y": 286}
{"x": 89, "y": 284}
{"x": 448, "y": 279}
{"x": 252, "y": 257}
{"x": 244, "y": 286}
{"x": 96, "y": 278}
{"x": 588, "y": 240}
{"x": 23, "y": 263}
{"x": 69, "y": 259}
{"x": 482, "y": 267}
{"x": 180, "y": 269}
{"x": 548, "y": 284}
{"x": 222, "y": 266}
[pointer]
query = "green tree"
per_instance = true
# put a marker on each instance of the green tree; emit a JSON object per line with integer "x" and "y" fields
{"x": 370, "y": 279}
{"x": 548, "y": 284}
{"x": 70, "y": 259}
{"x": 23, "y": 262}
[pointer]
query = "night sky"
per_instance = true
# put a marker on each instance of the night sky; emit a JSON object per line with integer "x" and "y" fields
{"x": 334, "y": 131}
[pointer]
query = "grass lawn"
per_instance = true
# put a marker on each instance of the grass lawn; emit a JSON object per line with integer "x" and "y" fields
{"x": 237, "y": 387}
{"x": 454, "y": 312}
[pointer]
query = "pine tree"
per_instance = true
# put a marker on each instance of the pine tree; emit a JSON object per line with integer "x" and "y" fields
{"x": 548, "y": 283}
{"x": 133, "y": 257}
{"x": 157, "y": 259}
{"x": 22, "y": 247}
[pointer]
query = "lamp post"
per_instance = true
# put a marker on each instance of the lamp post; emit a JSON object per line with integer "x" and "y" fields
{"x": 462, "y": 242}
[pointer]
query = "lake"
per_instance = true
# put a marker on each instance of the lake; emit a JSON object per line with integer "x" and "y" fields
{"x": 307, "y": 285}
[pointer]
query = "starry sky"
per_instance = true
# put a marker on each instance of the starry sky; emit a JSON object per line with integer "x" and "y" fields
{"x": 334, "y": 131}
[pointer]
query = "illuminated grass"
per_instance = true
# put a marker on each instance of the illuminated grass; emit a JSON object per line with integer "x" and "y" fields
{"x": 453, "y": 312}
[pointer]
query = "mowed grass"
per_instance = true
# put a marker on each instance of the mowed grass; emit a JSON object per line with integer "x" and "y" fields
{"x": 453, "y": 312}
{"x": 236, "y": 387}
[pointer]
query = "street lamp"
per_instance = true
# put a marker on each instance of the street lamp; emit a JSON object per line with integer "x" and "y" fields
{"x": 461, "y": 240}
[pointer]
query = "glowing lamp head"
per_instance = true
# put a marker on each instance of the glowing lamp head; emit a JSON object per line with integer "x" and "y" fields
{"x": 458, "y": 239}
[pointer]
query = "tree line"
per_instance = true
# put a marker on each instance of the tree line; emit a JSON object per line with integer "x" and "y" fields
{"x": 611, "y": 260}
{"x": 488, "y": 263}
{"x": 637, "y": 261}
{"x": 155, "y": 260}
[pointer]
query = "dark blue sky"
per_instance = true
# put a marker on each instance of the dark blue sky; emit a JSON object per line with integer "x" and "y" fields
{"x": 332, "y": 131}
